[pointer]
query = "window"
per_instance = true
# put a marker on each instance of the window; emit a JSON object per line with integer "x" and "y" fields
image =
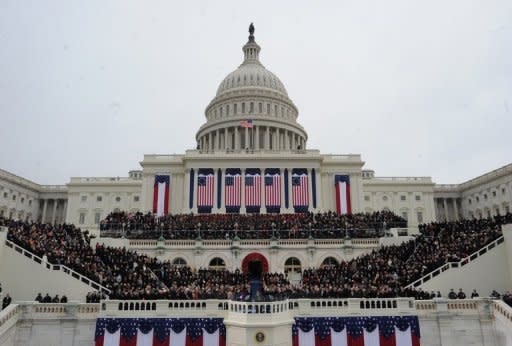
{"x": 179, "y": 262}
{"x": 402, "y": 198}
{"x": 227, "y": 109}
{"x": 494, "y": 193}
{"x": 275, "y": 110}
{"x": 99, "y": 198}
{"x": 22, "y": 200}
{"x": 420, "y": 217}
{"x": 118, "y": 199}
{"x": 13, "y": 197}
{"x": 384, "y": 198}
{"x": 6, "y": 194}
{"x": 469, "y": 201}
{"x": 329, "y": 262}
{"x": 81, "y": 219}
{"x": 260, "y": 107}
{"x": 217, "y": 264}
{"x": 367, "y": 198}
{"x": 268, "y": 108}
{"x": 477, "y": 199}
{"x": 136, "y": 198}
{"x": 83, "y": 198}
{"x": 235, "y": 108}
{"x": 243, "y": 107}
{"x": 292, "y": 264}
{"x": 503, "y": 191}
{"x": 485, "y": 197}
{"x": 29, "y": 202}
{"x": 221, "y": 111}
{"x": 418, "y": 197}
{"x": 251, "y": 107}
{"x": 97, "y": 217}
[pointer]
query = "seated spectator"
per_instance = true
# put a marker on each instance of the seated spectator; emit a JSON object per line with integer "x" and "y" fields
{"x": 47, "y": 298}
{"x": 474, "y": 294}
{"x": 6, "y": 301}
{"x": 39, "y": 298}
{"x": 56, "y": 299}
{"x": 452, "y": 294}
{"x": 461, "y": 294}
{"x": 63, "y": 299}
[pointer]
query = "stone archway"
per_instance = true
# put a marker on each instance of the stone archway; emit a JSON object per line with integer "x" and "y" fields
{"x": 254, "y": 257}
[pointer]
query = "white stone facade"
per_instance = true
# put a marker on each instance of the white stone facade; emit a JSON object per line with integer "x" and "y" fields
{"x": 275, "y": 141}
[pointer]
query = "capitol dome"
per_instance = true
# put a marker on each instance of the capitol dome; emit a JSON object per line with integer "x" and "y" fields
{"x": 251, "y": 96}
{"x": 251, "y": 74}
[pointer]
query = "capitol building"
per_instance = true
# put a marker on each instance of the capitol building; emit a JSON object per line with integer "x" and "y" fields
{"x": 252, "y": 156}
{"x": 252, "y": 130}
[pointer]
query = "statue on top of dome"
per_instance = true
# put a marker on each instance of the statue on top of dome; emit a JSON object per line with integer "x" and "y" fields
{"x": 251, "y": 29}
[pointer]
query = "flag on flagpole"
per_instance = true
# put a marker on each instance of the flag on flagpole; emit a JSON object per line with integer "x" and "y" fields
{"x": 342, "y": 184}
{"x": 161, "y": 195}
{"x": 246, "y": 123}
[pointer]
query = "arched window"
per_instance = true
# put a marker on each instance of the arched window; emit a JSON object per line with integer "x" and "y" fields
{"x": 179, "y": 262}
{"x": 217, "y": 264}
{"x": 329, "y": 262}
{"x": 292, "y": 264}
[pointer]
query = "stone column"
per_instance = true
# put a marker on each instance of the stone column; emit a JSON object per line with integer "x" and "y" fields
{"x": 217, "y": 140}
{"x": 210, "y": 141}
{"x": 237, "y": 139}
{"x": 242, "y": 195}
{"x": 257, "y": 138}
{"x": 64, "y": 211}
{"x": 267, "y": 139}
{"x": 196, "y": 175}
{"x": 445, "y": 209}
{"x": 45, "y": 205}
{"x": 215, "y": 189}
{"x": 223, "y": 192}
{"x": 456, "y": 209}
{"x": 186, "y": 190}
{"x": 54, "y": 212}
{"x": 286, "y": 140}
{"x": 246, "y": 138}
{"x": 290, "y": 196}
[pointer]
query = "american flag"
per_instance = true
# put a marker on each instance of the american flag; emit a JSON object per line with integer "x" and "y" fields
{"x": 273, "y": 189}
{"x": 343, "y": 200}
{"x": 233, "y": 189}
{"x": 253, "y": 190}
{"x": 246, "y": 123}
{"x": 360, "y": 331}
{"x": 160, "y": 331}
{"x": 205, "y": 184}
{"x": 300, "y": 194}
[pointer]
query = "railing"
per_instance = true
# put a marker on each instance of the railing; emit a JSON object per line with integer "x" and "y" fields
{"x": 9, "y": 317}
{"x": 502, "y": 311}
{"x": 293, "y": 307}
{"x": 210, "y": 307}
{"x": 459, "y": 264}
{"x": 59, "y": 267}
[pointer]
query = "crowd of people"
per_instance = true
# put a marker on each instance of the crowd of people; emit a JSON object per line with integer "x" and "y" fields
{"x": 384, "y": 272}
{"x": 48, "y": 299}
{"x": 250, "y": 226}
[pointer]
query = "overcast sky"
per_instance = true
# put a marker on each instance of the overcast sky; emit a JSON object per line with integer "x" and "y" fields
{"x": 418, "y": 88}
